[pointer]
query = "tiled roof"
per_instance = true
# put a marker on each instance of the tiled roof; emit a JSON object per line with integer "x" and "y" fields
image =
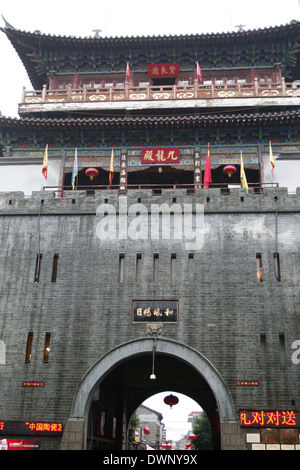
{"x": 275, "y": 31}
{"x": 30, "y": 46}
{"x": 239, "y": 118}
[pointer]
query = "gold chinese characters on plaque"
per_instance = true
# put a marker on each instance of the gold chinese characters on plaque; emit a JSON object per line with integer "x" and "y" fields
{"x": 166, "y": 311}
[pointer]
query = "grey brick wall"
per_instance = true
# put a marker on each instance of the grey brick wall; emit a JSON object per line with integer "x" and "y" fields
{"x": 224, "y": 310}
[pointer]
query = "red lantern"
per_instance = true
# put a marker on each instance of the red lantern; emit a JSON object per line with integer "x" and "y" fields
{"x": 229, "y": 170}
{"x": 91, "y": 172}
{"x": 192, "y": 436}
{"x": 146, "y": 431}
{"x": 171, "y": 400}
{"x": 187, "y": 445}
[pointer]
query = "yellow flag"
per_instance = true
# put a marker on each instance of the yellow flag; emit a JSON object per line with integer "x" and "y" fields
{"x": 111, "y": 169}
{"x": 243, "y": 175}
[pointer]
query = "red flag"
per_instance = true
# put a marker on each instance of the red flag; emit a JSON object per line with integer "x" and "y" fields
{"x": 127, "y": 72}
{"x": 45, "y": 163}
{"x": 271, "y": 158}
{"x": 199, "y": 74}
{"x": 207, "y": 171}
{"x": 111, "y": 169}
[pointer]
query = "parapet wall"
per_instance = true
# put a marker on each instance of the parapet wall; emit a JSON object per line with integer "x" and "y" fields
{"x": 214, "y": 200}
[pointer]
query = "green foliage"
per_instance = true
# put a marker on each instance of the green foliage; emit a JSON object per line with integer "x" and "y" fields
{"x": 202, "y": 430}
{"x": 133, "y": 427}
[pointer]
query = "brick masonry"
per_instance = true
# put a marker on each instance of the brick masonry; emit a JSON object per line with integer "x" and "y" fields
{"x": 224, "y": 309}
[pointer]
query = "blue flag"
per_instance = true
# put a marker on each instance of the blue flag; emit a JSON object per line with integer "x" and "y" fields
{"x": 74, "y": 172}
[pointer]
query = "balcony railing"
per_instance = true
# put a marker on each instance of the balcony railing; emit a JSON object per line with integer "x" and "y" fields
{"x": 65, "y": 191}
{"x": 152, "y": 93}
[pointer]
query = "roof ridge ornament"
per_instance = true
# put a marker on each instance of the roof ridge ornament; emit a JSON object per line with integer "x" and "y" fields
{"x": 97, "y": 31}
{"x": 7, "y": 24}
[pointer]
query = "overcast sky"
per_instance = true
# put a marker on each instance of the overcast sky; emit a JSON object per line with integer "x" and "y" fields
{"x": 126, "y": 18}
{"x": 175, "y": 418}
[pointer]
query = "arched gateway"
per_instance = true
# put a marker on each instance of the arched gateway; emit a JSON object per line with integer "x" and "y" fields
{"x": 75, "y": 434}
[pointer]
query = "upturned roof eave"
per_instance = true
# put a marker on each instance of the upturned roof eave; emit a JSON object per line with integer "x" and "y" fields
{"x": 214, "y": 118}
{"x": 252, "y": 33}
{"x": 26, "y": 44}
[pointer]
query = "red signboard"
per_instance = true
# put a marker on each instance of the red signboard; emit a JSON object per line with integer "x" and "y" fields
{"x": 33, "y": 383}
{"x": 163, "y": 70}
{"x": 39, "y": 428}
{"x": 247, "y": 383}
{"x": 160, "y": 155}
{"x": 270, "y": 418}
{"x": 19, "y": 444}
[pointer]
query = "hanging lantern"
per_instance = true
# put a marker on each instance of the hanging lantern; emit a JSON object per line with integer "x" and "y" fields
{"x": 166, "y": 445}
{"x": 171, "y": 400}
{"x": 192, "y": 436}
{"x": 91, "y": 172}
{"x": 146, "y": 430}
{"x": 187, "y": 445}
{"x": 229, "y": 170}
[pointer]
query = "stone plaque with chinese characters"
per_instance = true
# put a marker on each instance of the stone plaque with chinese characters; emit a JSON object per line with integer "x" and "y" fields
{"x": 166, "y": 311}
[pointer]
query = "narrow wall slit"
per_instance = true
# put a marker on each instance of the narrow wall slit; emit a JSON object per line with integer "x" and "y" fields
{"x": 38, "y": 267}
{"x": 54, "y": 268}
{"x": 29, "y": 347}
{"x": 277, "y": 267}
{"x": 47, "y": 347}
{"x": 173, "y": 267}
{"x": 155, "y": 267}
{"x": 121, "y": 268}
{"x": 259, "y": 267}
{"x": 138, "y": 267}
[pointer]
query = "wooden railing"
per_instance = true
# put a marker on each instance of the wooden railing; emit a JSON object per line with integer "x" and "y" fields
{"x": 176, "y": 92}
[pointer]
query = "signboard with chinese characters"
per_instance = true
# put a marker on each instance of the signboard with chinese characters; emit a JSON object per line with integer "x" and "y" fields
{"x": 163, "y": 70}
{"x": 160, "y": 155}
{"x": 19, "y": 444}
{"x": 33, "y": 383}
{"x": 123, "y": 173}
{"x": 166, "y": 311}
{"x": 247, "y": 383}
{"x": 197, "y": 169}
{"x": 37, "y": 428}
{"x": 270, "y": 418}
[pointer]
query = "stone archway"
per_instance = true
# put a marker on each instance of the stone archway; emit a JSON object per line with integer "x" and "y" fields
{"x": 75, "y": 429}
